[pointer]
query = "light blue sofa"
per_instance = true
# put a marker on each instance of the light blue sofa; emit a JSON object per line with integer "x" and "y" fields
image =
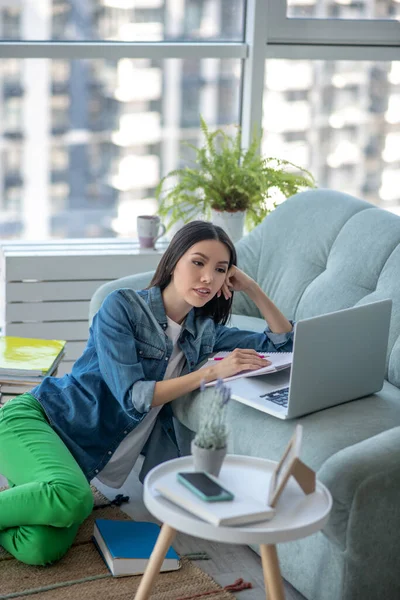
{"x": 318, "y": 252}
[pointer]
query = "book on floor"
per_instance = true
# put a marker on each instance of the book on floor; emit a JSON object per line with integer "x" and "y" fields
{"x": 278, "y": 360}
{"x": 126, "y": 546}
{"x": 239, "y": 511}
{"x": 28, "y": 358}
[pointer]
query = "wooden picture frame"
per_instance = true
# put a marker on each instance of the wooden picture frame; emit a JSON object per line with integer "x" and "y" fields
{"x": 290, "y": 464}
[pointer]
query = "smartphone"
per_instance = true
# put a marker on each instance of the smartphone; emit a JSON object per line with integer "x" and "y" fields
{"x": 205, "y": 486}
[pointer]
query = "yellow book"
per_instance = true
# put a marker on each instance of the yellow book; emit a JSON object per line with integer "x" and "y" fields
{"x": 22, "y": 357}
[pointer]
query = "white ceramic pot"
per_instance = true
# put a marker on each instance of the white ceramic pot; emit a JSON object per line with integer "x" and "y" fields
{"x": 207, "y": 460}
{"x": 231, "y": 222}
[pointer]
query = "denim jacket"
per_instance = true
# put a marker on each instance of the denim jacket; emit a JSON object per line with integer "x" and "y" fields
{"x": 110, "y": 388}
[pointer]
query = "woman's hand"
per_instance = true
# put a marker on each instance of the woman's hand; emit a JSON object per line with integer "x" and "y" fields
{"x": 237, "y": 361}
{"x": 236, "y": 281}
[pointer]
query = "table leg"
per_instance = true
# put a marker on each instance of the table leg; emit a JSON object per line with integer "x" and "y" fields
{"x": 272, "y": 574}
{"x": 163, "y": 542}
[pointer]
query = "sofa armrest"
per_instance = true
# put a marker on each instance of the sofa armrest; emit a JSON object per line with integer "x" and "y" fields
{"x": 364, "y": 480}
{"x": 134, "y": 282}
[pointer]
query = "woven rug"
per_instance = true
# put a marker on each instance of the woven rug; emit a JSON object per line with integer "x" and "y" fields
{"x": 82, "y": 575}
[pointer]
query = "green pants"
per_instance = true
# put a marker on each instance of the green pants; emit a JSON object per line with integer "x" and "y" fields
{"x": 49, "y": 495}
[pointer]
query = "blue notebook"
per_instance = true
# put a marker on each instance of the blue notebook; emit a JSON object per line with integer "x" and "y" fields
{"x": 126, "y": 546}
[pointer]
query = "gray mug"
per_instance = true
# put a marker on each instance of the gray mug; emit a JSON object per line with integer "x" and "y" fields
{"x": 150, "y": 229}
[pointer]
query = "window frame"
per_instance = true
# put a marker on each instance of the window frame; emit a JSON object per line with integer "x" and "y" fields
{"x": 286, "y": 30}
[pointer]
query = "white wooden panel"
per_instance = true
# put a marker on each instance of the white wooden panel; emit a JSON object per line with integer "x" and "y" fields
{"x": 52, "y": 290}
{"x": 66, "y": 330}
{"x": 3, "y": 399}
{"x": 75, "y": 268}
{"x": 47, "y": 287}
{"x": 47, "y": 311}
{"x": 64, "y": 368}
{"x": 14, "y": 390}
{"x": 73, "y": 350}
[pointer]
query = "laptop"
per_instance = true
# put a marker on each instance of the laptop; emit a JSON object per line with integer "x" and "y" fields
{"x": 337, "y": 357}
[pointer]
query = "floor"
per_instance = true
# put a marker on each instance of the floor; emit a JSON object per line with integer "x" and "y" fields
{"x": 226, "y": 563}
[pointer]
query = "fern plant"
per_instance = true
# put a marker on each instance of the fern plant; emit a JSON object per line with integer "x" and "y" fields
{"x": 226, "y": 177}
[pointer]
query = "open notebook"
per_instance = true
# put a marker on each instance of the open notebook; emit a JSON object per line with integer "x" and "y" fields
{"x": 279, "y": 361}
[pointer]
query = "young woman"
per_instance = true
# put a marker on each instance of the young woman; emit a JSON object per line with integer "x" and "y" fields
{"x": 142, "y": 353}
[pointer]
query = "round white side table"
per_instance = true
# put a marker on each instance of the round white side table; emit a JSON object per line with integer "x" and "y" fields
{"x": 297, "y": 515}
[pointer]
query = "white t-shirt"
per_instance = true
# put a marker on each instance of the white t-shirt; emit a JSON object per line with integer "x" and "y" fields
{"x": 120, "y": 464}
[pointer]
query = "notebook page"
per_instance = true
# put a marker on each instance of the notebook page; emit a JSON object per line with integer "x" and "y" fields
{"x": 279, "y": 361}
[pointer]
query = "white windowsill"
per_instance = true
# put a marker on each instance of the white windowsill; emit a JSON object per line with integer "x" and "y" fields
{"x": 95, "y": 246}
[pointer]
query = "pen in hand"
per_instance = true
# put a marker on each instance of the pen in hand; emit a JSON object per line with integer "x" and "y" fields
{"x": 222, "y": 357}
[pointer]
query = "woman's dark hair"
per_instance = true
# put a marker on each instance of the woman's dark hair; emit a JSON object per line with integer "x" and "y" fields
{"x": 219, "y": 309}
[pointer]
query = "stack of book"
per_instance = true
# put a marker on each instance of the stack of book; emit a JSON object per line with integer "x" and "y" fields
{"x": 24, "y": 362}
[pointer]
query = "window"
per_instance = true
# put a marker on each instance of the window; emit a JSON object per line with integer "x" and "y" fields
{"x": 124, "y": 20}
{"x": 99, "y": 116}
{"x": 345, "y": 130}
{"x": 102, "y": 145}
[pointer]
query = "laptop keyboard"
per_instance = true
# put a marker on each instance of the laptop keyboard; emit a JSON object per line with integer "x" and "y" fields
{"x": 279, "y": 397}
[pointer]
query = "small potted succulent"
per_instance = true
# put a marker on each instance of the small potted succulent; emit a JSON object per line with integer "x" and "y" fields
{"x": 209, "y": 445}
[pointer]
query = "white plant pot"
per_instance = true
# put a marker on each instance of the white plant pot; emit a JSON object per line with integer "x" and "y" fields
{"x": 208, "y": 460}
{"x": 231, "y": 222}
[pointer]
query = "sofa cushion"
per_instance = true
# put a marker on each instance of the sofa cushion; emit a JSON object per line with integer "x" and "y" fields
{"x": 290, "y": 248}
{"x": 322, "y": 251}
{"x": 247, "y": 322}
{"x": 133, "y": 282}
